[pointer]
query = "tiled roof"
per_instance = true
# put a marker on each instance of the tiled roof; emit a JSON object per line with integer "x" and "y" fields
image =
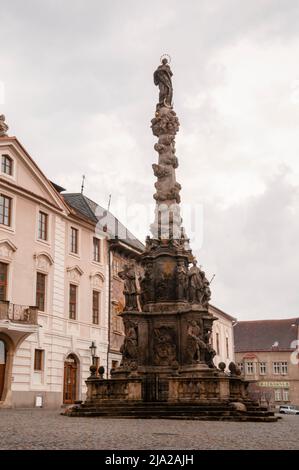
{"x": 77, "y": 201}
{"x": 101, "y": 216}
{"x": 265, "y": 335}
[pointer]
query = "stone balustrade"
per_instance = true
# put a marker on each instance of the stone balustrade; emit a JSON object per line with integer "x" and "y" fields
{"x": 18, "y": 313}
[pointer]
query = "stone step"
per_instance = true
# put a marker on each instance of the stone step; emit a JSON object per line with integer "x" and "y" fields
{"x": 165, "y": 412}
{"x": 207, "y": 417}
{"x": 163, "y": 408}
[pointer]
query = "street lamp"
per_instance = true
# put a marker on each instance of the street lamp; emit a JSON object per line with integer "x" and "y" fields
{"x": 93, "y": 350}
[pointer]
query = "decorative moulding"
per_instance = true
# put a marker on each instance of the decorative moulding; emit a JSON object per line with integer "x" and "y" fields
{"x": 74, "y": 273}
{"x": 97, "y": 279}
{"x": 7, "y": 248}
{"x": 43, "y": 261}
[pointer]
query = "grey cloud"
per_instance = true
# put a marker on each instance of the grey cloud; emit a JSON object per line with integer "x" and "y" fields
{"x": 80, "y": 96}
{"x": 253, "y": 248}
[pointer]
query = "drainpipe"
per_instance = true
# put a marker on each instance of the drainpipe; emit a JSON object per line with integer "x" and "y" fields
{"x": 109, "y": 307}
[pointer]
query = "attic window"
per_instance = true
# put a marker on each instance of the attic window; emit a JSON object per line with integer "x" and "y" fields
{"x": 7, "y": 165}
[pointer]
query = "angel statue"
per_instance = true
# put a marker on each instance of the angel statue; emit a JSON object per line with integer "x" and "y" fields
{"x": 162, "y": 78}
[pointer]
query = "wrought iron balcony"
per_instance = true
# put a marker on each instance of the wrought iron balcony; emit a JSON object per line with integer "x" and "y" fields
{"x": 18, "y": 313}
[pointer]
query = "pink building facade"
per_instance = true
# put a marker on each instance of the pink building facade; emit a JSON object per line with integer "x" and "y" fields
{"x": 53, "y": 287}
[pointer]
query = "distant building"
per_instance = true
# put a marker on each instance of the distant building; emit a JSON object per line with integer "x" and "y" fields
{"x": 266, "y": 351}
{"x": 223, "y": 336}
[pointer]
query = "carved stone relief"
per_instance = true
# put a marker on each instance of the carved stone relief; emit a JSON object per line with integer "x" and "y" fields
{"x": 164, "y": 348}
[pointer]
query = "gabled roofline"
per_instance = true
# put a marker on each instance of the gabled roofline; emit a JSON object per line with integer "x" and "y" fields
{"x": 293, "y": 319}
{"x": 13, "y": 140}
{"x": 221, "y": 312}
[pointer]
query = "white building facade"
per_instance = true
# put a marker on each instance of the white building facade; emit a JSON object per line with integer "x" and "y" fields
{"x": 223, "y": 336}
{"x": 54, "y": 259}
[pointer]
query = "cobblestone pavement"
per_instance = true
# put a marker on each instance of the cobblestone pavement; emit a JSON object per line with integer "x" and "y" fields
{"x": 43, "y": 429}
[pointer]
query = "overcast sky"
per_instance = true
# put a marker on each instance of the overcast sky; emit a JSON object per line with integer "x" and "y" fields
{"x": 79, "y": 95}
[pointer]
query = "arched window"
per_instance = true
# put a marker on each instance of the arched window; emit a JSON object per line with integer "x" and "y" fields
{"x": 7, "y": 165}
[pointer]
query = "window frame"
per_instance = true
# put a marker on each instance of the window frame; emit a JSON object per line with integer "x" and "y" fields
{"x": 38, "y": 361}
{"x": 10, "y": 206}
{"x": 41, "y": 293}
{"x": 284, "y": 368}
{"x": 4, "y": 166}
{"x": 217, "y": 343}
{"x": 249, "y": 368}
{"x": 96, "y": 312}
{"x": 74, "y": 230}
{"x": 5, "y": 282}
{"x": 227, "y": 347}
{"x": 43, "y": 228}
{"x": 73, "y": 313}
{"x": 96, "y": 250}
{"x": 263, "y": 368}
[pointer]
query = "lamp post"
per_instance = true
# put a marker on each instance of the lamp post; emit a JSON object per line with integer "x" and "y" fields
{"x": 93, "y": 367}
{"x": 93, "y": 350}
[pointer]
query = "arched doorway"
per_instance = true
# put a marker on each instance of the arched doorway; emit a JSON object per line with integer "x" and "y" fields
{"x": 70, "y": 387}
{"x": 3, "y": 352}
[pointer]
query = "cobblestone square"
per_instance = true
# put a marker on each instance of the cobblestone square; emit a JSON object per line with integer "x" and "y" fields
{"x": 44, "y": 429}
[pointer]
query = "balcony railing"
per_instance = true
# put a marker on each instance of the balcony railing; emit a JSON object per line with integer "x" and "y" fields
{"x": 18, "y": 313}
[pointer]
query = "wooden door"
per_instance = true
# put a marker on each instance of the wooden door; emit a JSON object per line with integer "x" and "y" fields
{"x": 70, "y": 380}
{"x": 2, "y": 366}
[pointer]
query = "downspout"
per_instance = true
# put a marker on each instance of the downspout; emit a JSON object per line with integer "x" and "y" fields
{"x": 109, "y": 307}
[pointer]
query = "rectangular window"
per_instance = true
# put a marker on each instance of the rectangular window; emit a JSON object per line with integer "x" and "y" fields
{"x": 285, "y": 394}
{"x": 74, "y": 240}
{"x": 249, "y": 368}
{"x": 114, "y": 364}
{"x": 263, "y": 368}
{"x": 6, "y": 165}
{"x": 39, "y": 360}
{"x": 115, "y": 267}
{"x": 41, "y": 291}
{"x": 5, "y": 210}
{"x": 95, "y": 307}
{"x": 277, "y": 395}
{"x": 96, "y": 249}
{"x": 217, "y": 344}
{"x": 3, "y": 280}
{"x": 241, "y": 366}
{"x": 42, "y": 226}
{"x": 73, "y": 302}
{"x": 276, "y": 368}
{"x": 227, "y": 347}
{"x": 284, "y": 368}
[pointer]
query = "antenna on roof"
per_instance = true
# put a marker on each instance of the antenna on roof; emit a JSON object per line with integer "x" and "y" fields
{"x": 82, "y": 185}
{"x": 109, "y": 202}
